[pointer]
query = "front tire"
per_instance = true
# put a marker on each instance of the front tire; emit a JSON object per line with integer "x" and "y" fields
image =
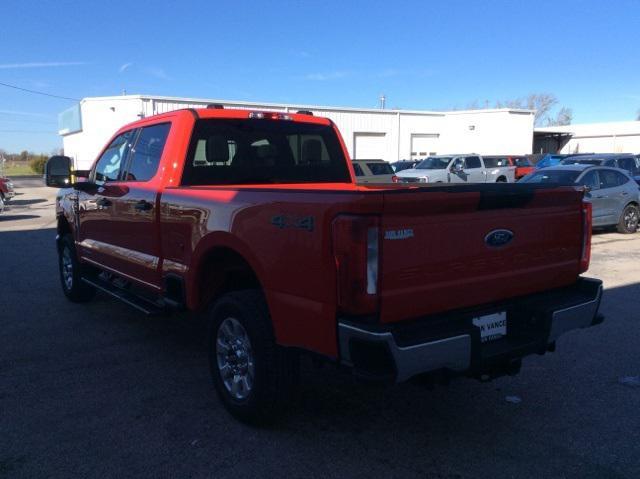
{"x": 253, "y": 376}
{"x": 70, "y": 268}
{"x": 629, "y": 220}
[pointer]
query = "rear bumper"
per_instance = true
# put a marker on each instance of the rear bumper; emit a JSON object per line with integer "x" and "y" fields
{"x": 450, "y": 342}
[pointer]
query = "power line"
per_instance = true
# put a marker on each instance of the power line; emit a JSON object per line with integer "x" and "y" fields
{"x": 38, "y": 92}
{"x": 49, "y": 132}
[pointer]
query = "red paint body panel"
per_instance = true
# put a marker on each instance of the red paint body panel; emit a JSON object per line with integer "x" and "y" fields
{"x": 296, "y": 267}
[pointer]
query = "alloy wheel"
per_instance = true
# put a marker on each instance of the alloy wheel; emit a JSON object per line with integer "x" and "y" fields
{"x": 235, "y": 358}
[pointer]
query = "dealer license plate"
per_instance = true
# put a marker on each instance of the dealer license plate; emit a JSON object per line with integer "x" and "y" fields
{"x": 492, "y": 326}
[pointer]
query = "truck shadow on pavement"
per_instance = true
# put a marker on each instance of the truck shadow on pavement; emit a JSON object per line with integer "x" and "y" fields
{"x": 9, "y": 217}
{"x": 102, "y": 375}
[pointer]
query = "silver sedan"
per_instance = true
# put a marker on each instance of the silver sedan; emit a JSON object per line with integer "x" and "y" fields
{"x": 615, "y": 196}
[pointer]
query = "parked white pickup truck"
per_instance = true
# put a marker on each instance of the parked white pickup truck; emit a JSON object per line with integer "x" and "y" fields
{"x": 456, "y": 169}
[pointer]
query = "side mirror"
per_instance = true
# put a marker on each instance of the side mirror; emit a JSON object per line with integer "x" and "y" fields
{"x": 57, "y": 172}
{"x": 457, "y": 168}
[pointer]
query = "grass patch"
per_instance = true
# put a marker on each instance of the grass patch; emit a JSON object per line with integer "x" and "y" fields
{"x": 17, "y": 169}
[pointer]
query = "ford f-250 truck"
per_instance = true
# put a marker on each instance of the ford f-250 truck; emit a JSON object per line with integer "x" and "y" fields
{"x": 255, "y": 218}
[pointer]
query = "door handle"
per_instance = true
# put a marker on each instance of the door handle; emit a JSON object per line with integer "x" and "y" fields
{"x": 624, "y": 193}
{"x": 143, "y": 205}
{"x": 103, "y": 202}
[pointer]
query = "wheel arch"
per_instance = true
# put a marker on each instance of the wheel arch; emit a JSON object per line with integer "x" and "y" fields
{"x": 221, "y": 263}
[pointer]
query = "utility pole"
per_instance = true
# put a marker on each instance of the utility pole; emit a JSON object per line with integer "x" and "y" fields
{"x": 383, "y": 100}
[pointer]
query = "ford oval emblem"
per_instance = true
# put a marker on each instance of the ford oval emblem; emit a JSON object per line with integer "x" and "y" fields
{"x": 498, "y": 238}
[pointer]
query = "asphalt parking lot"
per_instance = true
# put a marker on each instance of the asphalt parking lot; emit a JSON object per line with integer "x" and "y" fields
{"x": 97, "y": 390}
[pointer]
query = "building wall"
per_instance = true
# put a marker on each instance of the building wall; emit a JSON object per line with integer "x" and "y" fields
{"x": 100, "y": 120}
{"x": 482, "y": 131}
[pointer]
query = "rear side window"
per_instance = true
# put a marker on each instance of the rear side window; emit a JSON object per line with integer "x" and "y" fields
{"x": 611, "y": 179}
{"x": 256, "y": 151}
{"x": 472, "y": 162}
{"x": 628, "y": 164}
{"x": 495, "y": 161}
{"x": 145, "y": 155}
{"x": 109, "y": 165}
{"x": 380, "y": 168}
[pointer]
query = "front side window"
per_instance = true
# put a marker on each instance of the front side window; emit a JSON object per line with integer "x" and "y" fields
{"x": 358, "y": 171}
{"x": 591, "y": 180}
{"x": 109, "y": 165}
{"x": 145, "y": 155}
{"x": 257, "y": 151}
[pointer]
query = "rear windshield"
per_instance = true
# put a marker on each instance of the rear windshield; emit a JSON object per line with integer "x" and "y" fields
{"x": 380, "y": 168}
{"x": 495, "y": 161}
{"x": 253, "y": 151}
{"x": 567, "y": 177}
{"x": 434, "y": 163}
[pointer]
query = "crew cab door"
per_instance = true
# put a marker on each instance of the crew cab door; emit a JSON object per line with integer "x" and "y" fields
{"x": 119, "y": 228}
{"x": 94, "y": 234}
{"x": 134, "y": 221}
{"x": 475, "y": 170}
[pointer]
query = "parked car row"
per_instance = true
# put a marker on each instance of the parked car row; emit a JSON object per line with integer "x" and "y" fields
{"x": 458, "y": 169}
{"x": 613, "y": 193}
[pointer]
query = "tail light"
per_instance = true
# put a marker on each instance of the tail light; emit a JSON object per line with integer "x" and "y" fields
{"x": 268, "y": 115}
{"x": 587, "y": 224}
{"x": 356, "y": 253}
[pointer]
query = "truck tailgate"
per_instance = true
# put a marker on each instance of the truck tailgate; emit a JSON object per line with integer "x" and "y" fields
{"x": 435, "y": 254}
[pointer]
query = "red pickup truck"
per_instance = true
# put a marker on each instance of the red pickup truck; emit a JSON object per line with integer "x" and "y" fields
{"x": 256, "y": 219}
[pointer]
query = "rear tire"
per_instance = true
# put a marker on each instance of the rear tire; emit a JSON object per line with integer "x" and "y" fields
{"x": 253, "y": 376}
{"x": 629, "y": 220}
{"x": 70, "y": 268}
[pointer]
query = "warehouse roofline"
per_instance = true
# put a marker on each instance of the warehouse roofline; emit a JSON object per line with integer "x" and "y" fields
{"x": 246, "y": 104}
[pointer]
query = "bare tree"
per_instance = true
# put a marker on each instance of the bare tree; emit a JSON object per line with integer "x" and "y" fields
{"x": 564, "y": 117}
{"x": 542, "y": 103}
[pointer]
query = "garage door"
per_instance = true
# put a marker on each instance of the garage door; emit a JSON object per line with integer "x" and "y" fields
{"x": 369, "y": 146}
{"x": 423, "y": 145}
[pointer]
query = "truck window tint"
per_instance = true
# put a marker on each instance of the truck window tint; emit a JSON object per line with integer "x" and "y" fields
{"x": 495, "y": 161}
{"x": 108, "y": 166}
{"x": 591, "y": 180}
{"x": 145, "y": 155}
{"x": 358, "y": 171}
{"x": 473, "y": 162}
{"x": 255, "y": 151}
{"x": 380, "y": 168}
{"x": 552, "y": 176}
{"x": 628, "y": 164}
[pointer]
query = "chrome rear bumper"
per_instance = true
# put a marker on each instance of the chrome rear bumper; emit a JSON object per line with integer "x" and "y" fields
{"x": 374, "y": 351}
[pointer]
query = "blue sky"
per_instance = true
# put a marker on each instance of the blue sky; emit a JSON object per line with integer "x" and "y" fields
{"x": 421, "y": 55}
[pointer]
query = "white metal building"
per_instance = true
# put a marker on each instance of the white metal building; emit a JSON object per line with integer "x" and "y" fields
{"x": 368, "y": 133}
{"x": 612, "y": 137}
